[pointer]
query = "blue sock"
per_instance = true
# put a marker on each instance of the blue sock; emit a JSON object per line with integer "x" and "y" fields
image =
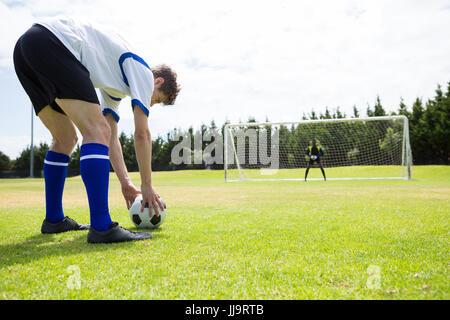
{"x": 55, "y": 172}
{"x": 94, "y": 169}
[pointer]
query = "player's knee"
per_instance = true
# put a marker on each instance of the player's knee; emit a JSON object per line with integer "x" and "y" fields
{"x": 65, "y": 143}
{"x": 97, "y": 131}
{"x": 72, "y": 140}
{"x": 104, "y": 131}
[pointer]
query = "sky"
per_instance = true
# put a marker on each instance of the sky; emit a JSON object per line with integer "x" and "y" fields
{"x": 237, "y": 59}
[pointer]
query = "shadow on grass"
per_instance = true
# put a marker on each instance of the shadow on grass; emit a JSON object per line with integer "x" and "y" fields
{"x": 41, "y": 246}
{"x": 156, "y": 233}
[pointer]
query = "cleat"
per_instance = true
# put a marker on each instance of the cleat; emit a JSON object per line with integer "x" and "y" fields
{"x": 115, "y": 233}
{"x": 64, "y": 225}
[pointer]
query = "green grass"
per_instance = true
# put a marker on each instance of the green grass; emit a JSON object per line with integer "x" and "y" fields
{"x": 331, "y": 173}
{"x": 246, "y": 240}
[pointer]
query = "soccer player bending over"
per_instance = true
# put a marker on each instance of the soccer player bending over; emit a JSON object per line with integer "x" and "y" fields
{"x": 314, "y": 152}
{"x": 59, "y": 63}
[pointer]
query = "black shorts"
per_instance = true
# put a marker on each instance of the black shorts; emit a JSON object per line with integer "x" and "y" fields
{"x": 314, "y": 161}
{"x": 48, "y": 70}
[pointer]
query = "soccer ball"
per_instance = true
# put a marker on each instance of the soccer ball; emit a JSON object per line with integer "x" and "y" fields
{"x": 146, "y": 219}
{"x": 313, "y": 157}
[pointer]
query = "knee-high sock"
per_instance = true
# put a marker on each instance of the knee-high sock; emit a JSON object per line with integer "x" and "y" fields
{"x": 94, "y": 169}
{"x": 306, "y": 173}
{"x": 55, "y": 172}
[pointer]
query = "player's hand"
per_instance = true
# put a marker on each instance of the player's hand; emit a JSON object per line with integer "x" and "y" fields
{"x": 150, "y": 197}
{"x": 130, "y": 192}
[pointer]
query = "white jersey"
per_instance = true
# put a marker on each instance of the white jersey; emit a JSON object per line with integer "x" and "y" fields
{"x": 113, "y": 66}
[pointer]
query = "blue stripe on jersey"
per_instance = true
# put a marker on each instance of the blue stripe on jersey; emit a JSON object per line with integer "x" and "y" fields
{"x": 115, "y": 115}
{"x": 127, "y": 55}
{"x": 140, "y": 104}
{"x": 113, "y": 98}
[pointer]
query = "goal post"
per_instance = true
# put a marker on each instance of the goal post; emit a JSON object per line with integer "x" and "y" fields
{"x": 354, "y": 148}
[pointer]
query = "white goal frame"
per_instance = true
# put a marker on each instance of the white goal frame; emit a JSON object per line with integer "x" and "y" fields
{"x": 406, "y": 153}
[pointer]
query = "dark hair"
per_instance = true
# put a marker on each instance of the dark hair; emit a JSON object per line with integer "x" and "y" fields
{"x": 170, "y": 87}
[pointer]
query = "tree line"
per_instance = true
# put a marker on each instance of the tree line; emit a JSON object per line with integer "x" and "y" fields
{"x": 429, "y": 132}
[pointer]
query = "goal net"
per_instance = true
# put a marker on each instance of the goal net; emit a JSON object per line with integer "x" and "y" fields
{"x": 356, "y": 148}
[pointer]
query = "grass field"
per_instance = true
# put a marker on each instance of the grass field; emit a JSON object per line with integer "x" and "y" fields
{"x": 248, "y": 240}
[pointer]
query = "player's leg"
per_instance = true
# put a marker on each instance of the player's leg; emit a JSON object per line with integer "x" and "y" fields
{"x": 55, "y": 170}
{"x": 62, "y": 129}
{"x": 307, "y": 169}
{"x": 94, "y": 169}
{"x": 28, "y": 59}
{"x": 94, "y": 159}
{"x": 323, "y": 171}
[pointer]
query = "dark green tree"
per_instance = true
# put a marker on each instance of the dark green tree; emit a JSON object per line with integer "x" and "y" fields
{"x": 5, "y": 162}
{"x": 378, "y": 108}
{"x": 22, "y": 163}
{"x": 403, "y": 109}
{"x": 437, "y": 126}
{"x": 355, "y": 112}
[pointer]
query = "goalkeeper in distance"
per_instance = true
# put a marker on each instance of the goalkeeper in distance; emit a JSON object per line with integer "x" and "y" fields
{"x": 314, "y": 152}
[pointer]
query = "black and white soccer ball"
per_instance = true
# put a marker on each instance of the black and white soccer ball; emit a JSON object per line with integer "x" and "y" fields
{"x": 313, "y": 157}
{"x": 146, "y": 219}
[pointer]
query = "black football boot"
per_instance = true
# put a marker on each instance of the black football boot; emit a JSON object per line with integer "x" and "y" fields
{"x": 64, "y": 225}
{"x": 115, "y": 233}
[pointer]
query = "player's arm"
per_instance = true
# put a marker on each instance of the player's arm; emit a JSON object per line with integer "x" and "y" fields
{"x": 129, "y": 191}
{"x": 143, "y": 149}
